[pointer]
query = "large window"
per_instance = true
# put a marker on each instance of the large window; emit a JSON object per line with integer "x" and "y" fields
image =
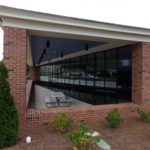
{"x": 100, "y": 71}
{"x": 103, "y": 77}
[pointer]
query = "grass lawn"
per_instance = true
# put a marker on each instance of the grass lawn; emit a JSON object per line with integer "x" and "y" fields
{"x": 133, "y": 134}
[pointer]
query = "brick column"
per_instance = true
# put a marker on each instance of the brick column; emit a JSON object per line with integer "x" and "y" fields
{"x": 34, "y": 73}
{"x": 141, "y": 73}
{"x": 15, "y": 59}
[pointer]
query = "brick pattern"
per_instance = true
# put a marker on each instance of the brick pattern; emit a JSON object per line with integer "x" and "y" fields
{"x": 137, "y": 73}
{"x": 34, "y": 73}
{"x": 141, "y": 73}
{"x": 15, "y": 59}
{"x": 146, "y": 73}
{"x": 38, "y": 117}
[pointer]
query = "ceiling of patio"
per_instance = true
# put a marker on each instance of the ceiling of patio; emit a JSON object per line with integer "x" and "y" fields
{"x": 48, "y": 48}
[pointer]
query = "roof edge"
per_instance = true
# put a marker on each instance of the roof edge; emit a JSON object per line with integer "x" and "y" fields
{"x": 23, "y": 14}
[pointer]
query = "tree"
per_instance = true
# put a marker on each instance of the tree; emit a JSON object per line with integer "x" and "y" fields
{"x": 9, "y": 121}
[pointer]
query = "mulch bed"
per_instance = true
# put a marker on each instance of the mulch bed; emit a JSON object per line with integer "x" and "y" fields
{"x": 133, "y": 134}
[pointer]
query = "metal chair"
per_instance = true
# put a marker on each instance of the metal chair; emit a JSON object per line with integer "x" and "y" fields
{"x": 50, "y": 102}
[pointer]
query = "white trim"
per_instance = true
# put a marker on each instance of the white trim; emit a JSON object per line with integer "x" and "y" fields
{"x": 50, "y": 18}
{"x": 59, "y": 24}
{"x": 80, "y": 31}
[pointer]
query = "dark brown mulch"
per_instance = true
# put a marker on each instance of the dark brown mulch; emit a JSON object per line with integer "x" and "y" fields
{"x": 133, "y": 134}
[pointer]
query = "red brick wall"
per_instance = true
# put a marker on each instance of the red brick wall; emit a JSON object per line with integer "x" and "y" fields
{"x": 15, "y": 59}
{"x": 34, "y": 73}
{"x": 35, "y": 117}
{"x": 141, "y": 73}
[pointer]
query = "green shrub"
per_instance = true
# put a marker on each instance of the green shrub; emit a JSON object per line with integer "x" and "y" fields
{"x": 145, "y": 116}
{"x": 81, "y": 140}
{"x": 62, "y": 122}
{"x": 9, "y": 122}
{"x": 114, "y": 118}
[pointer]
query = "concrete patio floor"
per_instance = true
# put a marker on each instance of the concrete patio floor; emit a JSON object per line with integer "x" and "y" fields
{"x": 38, "y": 98}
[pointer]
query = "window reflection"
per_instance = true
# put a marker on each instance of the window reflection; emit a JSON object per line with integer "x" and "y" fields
{"x": 99, "y": 78}
{"x": 100, "y": 72}
{"x": 83, "y": 67}
{"x": 111, "y": 69}
{"x": 90, "y": 70}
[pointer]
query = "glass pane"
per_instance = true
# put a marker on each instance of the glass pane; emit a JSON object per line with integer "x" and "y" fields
{"x": 58, "y": 73}
{"x": 111, "y": 69}
{"x": 99, "y": 98}
{"x": 124, "y": 74}
{"x": 100, "y": 70}
{"x": 83, "y": 66}
{"x": 51, "y": 74}
{"x": 76, "y": 71}
{"x": 90, "y": 70}
{"x": 63, "y": 72}
{"x": 67, "y": 72}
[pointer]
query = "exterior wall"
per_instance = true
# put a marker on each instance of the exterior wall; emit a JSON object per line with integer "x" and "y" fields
{"x": 34, "y": 73}
{"x": 141, "y": 73}
{"x": 140, "y": 95}
{"x": 15, "y": 59}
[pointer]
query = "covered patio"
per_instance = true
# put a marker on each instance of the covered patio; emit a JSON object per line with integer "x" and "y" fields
{"x": 93, "y": 69}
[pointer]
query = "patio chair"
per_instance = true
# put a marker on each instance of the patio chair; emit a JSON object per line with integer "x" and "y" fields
{"x": 50, "y": 102}
{"x": 65, "y": 102}
{"x": 61, "y": 99}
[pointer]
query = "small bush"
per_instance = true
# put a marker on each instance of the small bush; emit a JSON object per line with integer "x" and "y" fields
{"x": 81, "y": 140}
{"x": 62, "y": 122}
{"x": 145, "y": 116}
{"x": 114, "y": 118}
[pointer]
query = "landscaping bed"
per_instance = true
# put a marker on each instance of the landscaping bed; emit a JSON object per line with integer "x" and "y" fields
{"x": 133, "y": 134}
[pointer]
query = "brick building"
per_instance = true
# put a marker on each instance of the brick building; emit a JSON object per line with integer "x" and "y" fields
{"x": 109, "y": 62}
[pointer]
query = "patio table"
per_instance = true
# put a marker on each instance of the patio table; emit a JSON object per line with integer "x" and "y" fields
{"x": 58, "y": 96}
